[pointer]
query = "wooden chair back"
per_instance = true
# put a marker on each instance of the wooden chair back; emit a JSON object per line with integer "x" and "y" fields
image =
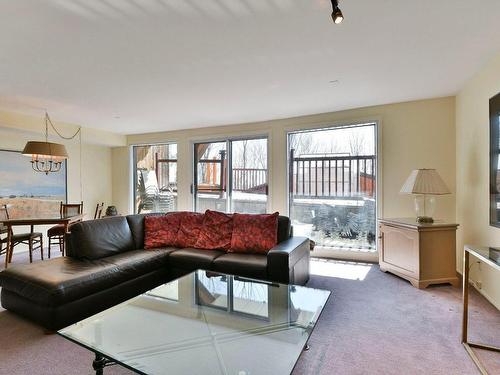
{"x": 4, "y": 215}
{"x": 98, "y": 210}
{"x": 71, "y": 209}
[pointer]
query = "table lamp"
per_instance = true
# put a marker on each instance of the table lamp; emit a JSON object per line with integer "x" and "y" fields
{"x": 424, "y": 184}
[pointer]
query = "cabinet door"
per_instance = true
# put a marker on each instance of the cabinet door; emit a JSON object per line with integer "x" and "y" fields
{"x": 400, "y": 249}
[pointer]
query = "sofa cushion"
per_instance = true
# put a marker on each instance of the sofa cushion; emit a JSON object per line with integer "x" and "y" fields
{"x": 161, "y": 231}
{"x": 216, "y": 232}
{"x": 254, "y": 233}
{"x": 61, "y": 280}
{"x": 95, "y": 239}
{"x": 248, "y": 265}
{"x": 192, "y": 259}
{"x": 189, "y": 229}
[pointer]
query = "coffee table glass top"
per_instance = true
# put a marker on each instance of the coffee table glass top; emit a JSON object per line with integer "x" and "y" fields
{"x": 206, "y": 323}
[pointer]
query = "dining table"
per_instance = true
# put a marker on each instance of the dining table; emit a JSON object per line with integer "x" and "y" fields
{"x": 49, "y": 219}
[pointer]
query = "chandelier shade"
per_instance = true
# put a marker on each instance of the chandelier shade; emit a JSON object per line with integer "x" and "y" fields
{"x": 46, "y": 157}
{"x": 45, "y": 150}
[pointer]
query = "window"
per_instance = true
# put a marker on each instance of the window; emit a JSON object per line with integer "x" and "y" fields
{"x": 332, "y": 184}
{"x": 155, "y": 178}
{"x": 231, "y": 176}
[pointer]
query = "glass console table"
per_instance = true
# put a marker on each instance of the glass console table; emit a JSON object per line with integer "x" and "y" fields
{"x": 204, "y": 323}
{"x": 491, "y": 257}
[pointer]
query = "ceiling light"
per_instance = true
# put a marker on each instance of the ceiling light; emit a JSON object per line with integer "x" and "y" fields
{"x": 337, "y": 15}
{"x": 46, "y": 156}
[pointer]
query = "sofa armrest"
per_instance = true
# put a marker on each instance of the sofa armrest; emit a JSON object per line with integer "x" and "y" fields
{"x": 288, "y": 261}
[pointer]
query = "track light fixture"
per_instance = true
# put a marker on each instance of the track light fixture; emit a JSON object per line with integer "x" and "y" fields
{"x": 337, "y": 15}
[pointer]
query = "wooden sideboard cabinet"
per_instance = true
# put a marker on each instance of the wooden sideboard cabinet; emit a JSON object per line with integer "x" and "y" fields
{"x": 423, "y": 254}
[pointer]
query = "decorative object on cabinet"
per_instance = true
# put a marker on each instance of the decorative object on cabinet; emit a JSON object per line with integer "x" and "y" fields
{"x": 425, "y": 183}
{"x": 111, "y": 211}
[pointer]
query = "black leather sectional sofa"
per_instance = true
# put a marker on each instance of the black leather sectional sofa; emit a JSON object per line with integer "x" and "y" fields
{"x": 106, "y": 264}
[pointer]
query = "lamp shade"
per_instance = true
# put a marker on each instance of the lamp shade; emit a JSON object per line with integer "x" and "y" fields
{"x": 45, "y": 150}
{"x": 425, "y": 181}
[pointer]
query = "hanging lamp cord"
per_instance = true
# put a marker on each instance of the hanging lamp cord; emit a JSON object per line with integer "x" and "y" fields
{"x": 77, "y": 133}
{"x": 48, "y": 120}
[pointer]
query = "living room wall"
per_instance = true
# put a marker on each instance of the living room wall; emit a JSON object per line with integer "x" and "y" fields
{"x": 16, "y": 129}
{"x": 472, "y": 114}
{"x": 413, "y": 135}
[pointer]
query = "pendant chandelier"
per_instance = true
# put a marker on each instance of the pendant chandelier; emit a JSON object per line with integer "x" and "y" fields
{"x": 47, "y": 157}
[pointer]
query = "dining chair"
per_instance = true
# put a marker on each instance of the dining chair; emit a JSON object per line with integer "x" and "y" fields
{"x": 57, "y": 232}
{"x": 34, "y": 240}
{"x": 3, "y": 231}
{"x": 98, "y": 210}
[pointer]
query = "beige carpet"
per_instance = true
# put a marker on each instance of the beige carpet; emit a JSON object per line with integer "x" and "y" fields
{"x": 374, "y": 323}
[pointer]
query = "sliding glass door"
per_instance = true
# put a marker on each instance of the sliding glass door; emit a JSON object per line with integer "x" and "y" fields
{"x": 155, "y": 178}
{"x": 332, "y": 187}
{"x": 210, "y": 176}
{"x": 231, "y": 175}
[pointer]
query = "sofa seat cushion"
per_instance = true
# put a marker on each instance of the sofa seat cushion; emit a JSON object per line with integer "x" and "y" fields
{"x": 136, "y": 263}
{"x": 248, "y": 265}
{"x": 61, "y": 280}
{"x": 192, "y": 259}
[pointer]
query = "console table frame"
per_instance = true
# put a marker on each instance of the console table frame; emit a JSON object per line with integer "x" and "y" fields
{"x": 469, "y": 345}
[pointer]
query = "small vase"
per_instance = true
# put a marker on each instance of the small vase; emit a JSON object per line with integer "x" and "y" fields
{"x": 111, "y": 211}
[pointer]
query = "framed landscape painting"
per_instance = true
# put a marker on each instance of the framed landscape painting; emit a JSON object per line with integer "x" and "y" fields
{"x": 29, "y": 193}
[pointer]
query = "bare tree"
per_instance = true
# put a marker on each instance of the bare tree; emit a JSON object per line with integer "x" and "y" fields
{"x": 302, "y": 143}
{"x": 250, "y": 154}
{"x": 356, "y": 143}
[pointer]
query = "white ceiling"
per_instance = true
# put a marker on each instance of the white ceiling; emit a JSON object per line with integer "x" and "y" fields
{"x": 135, "y": 66}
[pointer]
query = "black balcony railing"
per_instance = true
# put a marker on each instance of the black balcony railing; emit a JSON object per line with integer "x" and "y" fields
{"x": 309, "y": 176}
{"x": 332, "y": 176}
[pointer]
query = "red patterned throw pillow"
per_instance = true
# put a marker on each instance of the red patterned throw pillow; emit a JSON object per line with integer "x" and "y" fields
{"x": 160, "y": 231}
{"x": 254, "y": 233}
{"x": 216, "y": 231}
{"x": 189, "y": 229}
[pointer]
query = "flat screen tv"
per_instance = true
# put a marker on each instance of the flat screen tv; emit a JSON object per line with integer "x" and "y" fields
{"x": 495, "y": 161}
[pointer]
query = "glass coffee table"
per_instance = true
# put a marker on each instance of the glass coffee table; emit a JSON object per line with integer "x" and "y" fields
{"x": 204, "y": 323}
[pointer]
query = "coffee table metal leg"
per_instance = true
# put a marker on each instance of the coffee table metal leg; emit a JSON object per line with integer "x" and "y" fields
{"x": 100, "y": 362}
